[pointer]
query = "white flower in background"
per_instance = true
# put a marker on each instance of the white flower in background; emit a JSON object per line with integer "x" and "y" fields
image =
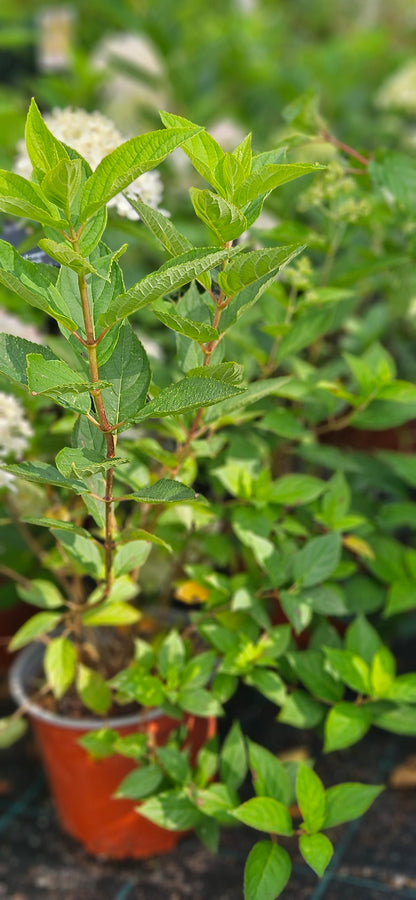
{"x": 133, "y": 79}
{"x": 227, "y": 133}
{"x": 399, "y": 91}
{"x": 9, "y": 324}
{"x": 94, "y": 136}
{"x": 15, "y": 433}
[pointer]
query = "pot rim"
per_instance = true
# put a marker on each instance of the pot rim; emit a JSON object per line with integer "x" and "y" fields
{"x": 27, "y": 663}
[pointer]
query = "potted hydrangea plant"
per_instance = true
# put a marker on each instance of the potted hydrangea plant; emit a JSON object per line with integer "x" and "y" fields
{"x": 139, "y": 713}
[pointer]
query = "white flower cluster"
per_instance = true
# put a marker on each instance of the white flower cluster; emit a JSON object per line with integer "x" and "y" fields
{"x": 15, "y": 432}
{"x": 94, "y": 136}
{"x": 399, "y": 91}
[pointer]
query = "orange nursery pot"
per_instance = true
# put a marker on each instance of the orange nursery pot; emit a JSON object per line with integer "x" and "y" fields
{"x": 83, "y": 787}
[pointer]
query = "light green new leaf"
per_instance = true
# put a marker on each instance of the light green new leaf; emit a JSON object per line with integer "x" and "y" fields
{"x": 61, "y": 184}
{"x": 267, "y": 871}
{"x": 44, "y": 149}
{"x": 60, "y": 665}
{"x": 231, "y": 172}
{"x": 172, "y": 810}
{"x": 66, "y": 256}
{"x": 78, "y": 463}
{"x": 171, "y": 276}
{"x": 13, "y": 352}
{"x": 265, "y": 814}
{"x": 363, "y": 639}
{"x": 345, "y": 725}
{"x": 268, "y": 683}
{"x": 201, "y": 148}
{"x": 93, "y": 690}
{"x": 270, "y": 177}
{"x": 117, "y": 170}
{"x": 383, "y": 672}
{"x": 403, "y": 689}
{"x": 163, "y": 491}
{"x": 58, "y": 381}
{"x": 42, "y": 473}
{"x": 39, "y": 624}
{"x": 41, "y": 593}
{"x": 399, "y": 720}
{"x": 222, "y": 217}
{"x": 34, "y": 282}
{"x": 19, "y": 197}
{"x": 310, "y": 794}
{"x": 185, "y": 395}
{"x": 348, "y": 801}
{"x": 110, "y": 613}
{"x": 352, "y": 669}
{"x": 317, "y": 851}
{"x": 196, "y": 331}
{"x": 11, "y": 730}
{"x": 248, "y": 268}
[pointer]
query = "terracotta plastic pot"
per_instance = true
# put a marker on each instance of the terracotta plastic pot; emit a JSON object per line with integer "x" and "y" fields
{"x": 83, "y": 787}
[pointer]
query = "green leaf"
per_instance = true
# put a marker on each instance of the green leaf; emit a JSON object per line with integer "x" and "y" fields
{"x": 348, "y": 801}
{"x": 227, "y": 372}
{"x": 72, "y": 461}
{"x": 294, "y": 490}
{"x": 297, "y": 608}
{"x": 362, "y": 639}
{"x": 162, "y": 228}
{"x": 401, "y": 598}
{"x": 317, "y": 559}
{"x": 171, "y": 276}
{"x": 117, "y": 170}
{"x": 65, "y": 255}
{"x": 44, "y": 149}
{"x": 218, "y": 800}
{"x": 60, "y": 665}
{"x": 100, "y": 743}
{"x": 175, "y": 763}
{"x": 130, "y": 556}
{"x": 268, "y": 178}
{"x": 353, "y": 670}
{"x": 43, "y": 473}
{"x": 84, "y": 551}
{"x": 145, "y": 689}
{"x": 198, "y": 670}
{"x": 310, "y": 794}
{"x": 345, "y": 725}
{"x": 111, "y": 613}
{"x": 128, "y": 371}
{"x": 395, "y": 174}
{"x": 39, "y": 624}
{"x": 254, "y": 392}
{"x": 171, "y": 656}
{"x": 302, "y": 711}
{"x": 208, "y": 831}
{"x": 199, "y": 702}
{"x": 35, "y": 283}
{"x": 19, "y": 197}
{"x": 403, "y": 689}
{"x": 46, "y": 522}
{"x": 267, "y": 871}
{"x": 270, "y": 778}
{"x": 41, "y": 593}
{"x": 172, "y": 810}
{"x": 233, "y": 766}
{"x": 265, "y": 814}
{"x": 163, "y": 491}
{"x": 268, "y": 683}
{"x": 249, "y": 268}
{"x": 317, "y": 851}
{"x": 383, "y": 672}
{"x": 93, "y": 690}
{"x": 57, "y": 380}
{"x": 185, "y": 395}
{"x": 62, "y": 183}
{"x": 196, "y": 331}
{"x": 304, "y": 331}
{"x": 13, "y": 352}
{"x": 140, "y": 783}
{"x": 399, "y": 720}
{"x": 220, "y": 215}
{"x": 11, "y": 730}
{"x": 202, "y": 149}
{"x": 311, "y": 667}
